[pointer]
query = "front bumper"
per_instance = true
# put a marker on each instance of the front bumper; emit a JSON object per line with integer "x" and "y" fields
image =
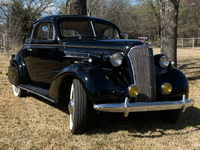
{"x": 127, "y": 107}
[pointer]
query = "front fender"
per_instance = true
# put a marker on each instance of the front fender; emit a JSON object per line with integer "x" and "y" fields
{"x": 178, "y": 81}
{"x": 95, "y": 83}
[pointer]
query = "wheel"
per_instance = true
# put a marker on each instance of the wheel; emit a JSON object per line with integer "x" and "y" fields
{"x": 77, "y": 108}
{"x": 19, "y": 92}
{"x": 171, "y": 115}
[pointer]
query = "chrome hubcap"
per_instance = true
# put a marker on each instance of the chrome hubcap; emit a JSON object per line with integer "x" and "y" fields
{"x": 71, "y": 107}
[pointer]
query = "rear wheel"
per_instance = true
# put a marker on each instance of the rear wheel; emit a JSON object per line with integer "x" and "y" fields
{"x": 19, "y": 92}
{"x": 77, "y": 108}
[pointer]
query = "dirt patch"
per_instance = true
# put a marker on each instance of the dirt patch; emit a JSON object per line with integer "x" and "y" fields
{"x": 34, "y": 123}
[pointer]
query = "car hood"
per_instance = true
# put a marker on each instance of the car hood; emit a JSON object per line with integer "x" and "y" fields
{"x": 114, "y": 44}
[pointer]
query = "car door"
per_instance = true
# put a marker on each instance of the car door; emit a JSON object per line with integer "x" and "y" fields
{"x": 45, "y": 49}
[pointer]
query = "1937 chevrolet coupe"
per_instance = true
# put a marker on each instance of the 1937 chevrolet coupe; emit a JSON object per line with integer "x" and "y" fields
{"x": 86, "y": 62}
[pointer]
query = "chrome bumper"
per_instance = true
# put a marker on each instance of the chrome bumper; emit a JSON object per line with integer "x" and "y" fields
{"x": 127, "y": 107}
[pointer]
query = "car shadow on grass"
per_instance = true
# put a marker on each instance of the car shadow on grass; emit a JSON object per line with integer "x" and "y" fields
{"x": 62, "y": 106}
{"x": 137, "y": 124}
{"x": 191, "y": 65}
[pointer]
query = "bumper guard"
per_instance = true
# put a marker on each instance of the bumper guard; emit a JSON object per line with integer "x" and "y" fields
{"x": 127, "y": 107}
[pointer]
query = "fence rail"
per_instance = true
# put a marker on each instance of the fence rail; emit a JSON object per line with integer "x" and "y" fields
{"x": 188, "y": 42}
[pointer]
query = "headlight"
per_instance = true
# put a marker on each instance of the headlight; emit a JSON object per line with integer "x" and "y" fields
{"x": 164, "y": 62}
{"x": 116, "y": 59}
{"x": 133, "y": 90}
{"x": 166, "y": 88}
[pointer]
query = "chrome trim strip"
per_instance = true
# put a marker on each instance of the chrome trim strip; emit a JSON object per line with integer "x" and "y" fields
{"x": 74, "y": 46}
{"x": 92, "y": 47}
{"x": 127, "y": 107}
{"x": 132, "y": 64}
{"x": 47, "y": 98}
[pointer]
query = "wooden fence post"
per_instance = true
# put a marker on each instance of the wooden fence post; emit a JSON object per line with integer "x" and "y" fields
{"x": 182, "y": 42}
{"x": 193, "y": 43}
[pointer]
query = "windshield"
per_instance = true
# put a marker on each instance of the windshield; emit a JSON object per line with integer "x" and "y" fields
{"x": 87, "y": 29}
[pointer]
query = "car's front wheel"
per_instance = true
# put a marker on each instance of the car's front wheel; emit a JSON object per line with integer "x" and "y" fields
{"x": 19, "y": 92}
{"x": 77, "y": 108}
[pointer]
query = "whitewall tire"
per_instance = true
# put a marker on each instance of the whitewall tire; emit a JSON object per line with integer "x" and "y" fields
{"x": 77, "y": 108}
{"x": 19, "y": 92}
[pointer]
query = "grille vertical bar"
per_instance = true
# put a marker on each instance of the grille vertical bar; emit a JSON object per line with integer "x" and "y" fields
{"x": 141, "y": 59}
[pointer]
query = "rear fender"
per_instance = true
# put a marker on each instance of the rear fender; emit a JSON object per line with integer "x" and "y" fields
{"x": 96, "y": 85}
{"x": 17, "y": 72}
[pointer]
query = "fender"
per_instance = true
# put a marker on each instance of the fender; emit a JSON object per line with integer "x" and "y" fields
{"x": 178, "y": 81}
{"x": 95, "y": 83}
{"x": 17, "y": 72}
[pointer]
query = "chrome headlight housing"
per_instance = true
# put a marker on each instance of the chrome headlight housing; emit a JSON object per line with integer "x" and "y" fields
{"x": 164, "y": 62}
{"x": 116, "y": 59}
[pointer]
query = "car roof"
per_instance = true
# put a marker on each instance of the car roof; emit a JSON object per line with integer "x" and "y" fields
{"x": 76, "y": 17}
{"x": 54, "y": 17}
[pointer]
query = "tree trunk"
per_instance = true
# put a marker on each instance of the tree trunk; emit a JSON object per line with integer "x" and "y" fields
{"x": 77, "y": 7}
{"x": 169, "y": 14}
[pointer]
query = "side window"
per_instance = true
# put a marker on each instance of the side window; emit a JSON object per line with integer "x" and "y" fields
{"x": 44, "y": 31}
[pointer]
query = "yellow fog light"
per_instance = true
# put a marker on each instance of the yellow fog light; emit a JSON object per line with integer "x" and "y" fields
{"x": 133, "y": 90}
{"x": 166, "y": 88}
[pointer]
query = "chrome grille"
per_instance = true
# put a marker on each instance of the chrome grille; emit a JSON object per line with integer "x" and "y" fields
{"x": 141, "y": 59}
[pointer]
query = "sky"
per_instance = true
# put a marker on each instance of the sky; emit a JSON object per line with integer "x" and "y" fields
{"x": 133, "y": 2}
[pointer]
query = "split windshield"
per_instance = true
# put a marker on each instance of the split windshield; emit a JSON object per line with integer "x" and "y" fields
{"x": 87, "y": 29}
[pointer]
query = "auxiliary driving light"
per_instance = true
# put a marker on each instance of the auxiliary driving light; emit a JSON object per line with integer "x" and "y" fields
{"x": 166, "y": 88}
{"x": 133, "y": 90}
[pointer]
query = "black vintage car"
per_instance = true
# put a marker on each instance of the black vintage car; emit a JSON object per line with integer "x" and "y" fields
{"x": 86, "y": 62}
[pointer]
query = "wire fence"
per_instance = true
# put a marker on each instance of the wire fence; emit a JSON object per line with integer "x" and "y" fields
{"x": 188, "y": 42}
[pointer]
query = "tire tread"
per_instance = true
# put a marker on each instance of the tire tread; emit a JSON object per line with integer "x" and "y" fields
{"x": 80, "y": 108}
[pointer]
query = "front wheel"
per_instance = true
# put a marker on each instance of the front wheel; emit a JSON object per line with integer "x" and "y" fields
{"x": 77, "y": 108}
{"x": 19, "y": 92}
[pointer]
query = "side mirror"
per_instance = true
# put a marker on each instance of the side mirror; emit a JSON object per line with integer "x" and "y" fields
{"x": 125, "y": 36}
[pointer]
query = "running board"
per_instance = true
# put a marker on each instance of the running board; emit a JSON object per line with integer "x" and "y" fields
{"x": 38, "y": 91}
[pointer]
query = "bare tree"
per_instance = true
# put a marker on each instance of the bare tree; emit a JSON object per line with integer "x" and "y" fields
{"x": 16, "y": 16}
{"x": 113, "y": 10}
{"x": 169, "y": 14}
{"x": 77, "y": 7}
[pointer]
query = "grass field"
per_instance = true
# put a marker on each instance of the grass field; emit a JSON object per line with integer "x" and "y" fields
{"x": 34, "y": 123}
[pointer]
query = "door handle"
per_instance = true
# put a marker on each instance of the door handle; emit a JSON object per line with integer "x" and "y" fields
{"x": 29, "y": 49}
